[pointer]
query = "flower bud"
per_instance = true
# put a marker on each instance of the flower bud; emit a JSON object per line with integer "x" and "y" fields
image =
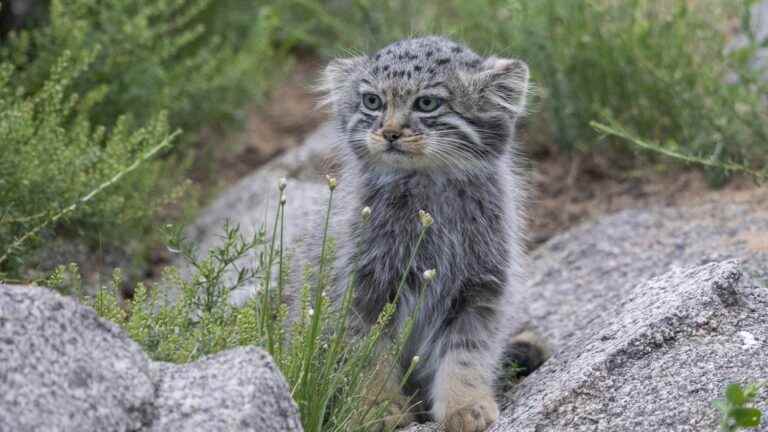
{"x": 425, "y": 219}
{"x": 331, "y": 182}
{"x": 282, "y": 183}
{"x": 429, "y": 275}
{"x": 365, "y": 213}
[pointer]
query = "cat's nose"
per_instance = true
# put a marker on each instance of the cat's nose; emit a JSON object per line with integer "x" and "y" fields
{"x": 391, "y": 135}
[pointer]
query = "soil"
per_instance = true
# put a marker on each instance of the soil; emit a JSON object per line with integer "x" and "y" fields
{"x": 569, "y": 189}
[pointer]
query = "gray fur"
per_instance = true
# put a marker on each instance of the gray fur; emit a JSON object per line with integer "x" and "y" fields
{"x": 466, "y": 177}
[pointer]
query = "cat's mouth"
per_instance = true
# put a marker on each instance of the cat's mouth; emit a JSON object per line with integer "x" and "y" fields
{"x": 394, "y": 148}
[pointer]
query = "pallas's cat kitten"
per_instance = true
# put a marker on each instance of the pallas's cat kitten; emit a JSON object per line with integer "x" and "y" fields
{"x": 428, "y": 125}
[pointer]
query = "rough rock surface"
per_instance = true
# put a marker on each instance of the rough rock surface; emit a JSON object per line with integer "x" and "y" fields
{"x": 650, "y": 314}
{"x": 252, "y": 202}
{"x": 64, "y": 368}
{"x": 240, "y": 389}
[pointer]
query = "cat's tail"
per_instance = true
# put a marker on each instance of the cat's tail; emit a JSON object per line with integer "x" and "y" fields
{"x": 524, "y": 353}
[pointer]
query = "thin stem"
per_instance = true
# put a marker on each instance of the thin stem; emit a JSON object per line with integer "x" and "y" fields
{"x": 315, "y": 326}
{"x": 728, "y": 166}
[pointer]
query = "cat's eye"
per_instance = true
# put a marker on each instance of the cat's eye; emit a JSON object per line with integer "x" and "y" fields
{"x": 427, "y": 103}
{"x": 372, "y": 101}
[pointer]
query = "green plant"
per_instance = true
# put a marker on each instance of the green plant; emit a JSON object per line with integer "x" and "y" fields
{"x": 736, "y": 408}
{"x": 327, "y": 370}
{"x": 53, "y": 156}
{"x": 91, "y": 88}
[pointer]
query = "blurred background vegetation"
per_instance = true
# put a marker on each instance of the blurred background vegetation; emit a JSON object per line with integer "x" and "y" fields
{"x": 90, "y": 87}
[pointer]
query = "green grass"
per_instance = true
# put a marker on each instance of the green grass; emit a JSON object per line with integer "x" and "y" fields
{"x": 328, "y": 372}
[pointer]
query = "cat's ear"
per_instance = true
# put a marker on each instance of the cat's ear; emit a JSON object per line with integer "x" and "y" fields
{"x": 338, "y": 76}
{"x": 504, "y": 82}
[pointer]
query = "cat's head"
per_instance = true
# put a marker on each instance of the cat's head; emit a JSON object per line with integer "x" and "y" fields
{"x": 427, "y": 103}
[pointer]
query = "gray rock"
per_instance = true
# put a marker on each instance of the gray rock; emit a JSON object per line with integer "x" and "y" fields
{"x": 252, "y": 203}
{"x": 63, "y": 368}
{"x": 650, "y": 314}
{"x": 240, "y": 389}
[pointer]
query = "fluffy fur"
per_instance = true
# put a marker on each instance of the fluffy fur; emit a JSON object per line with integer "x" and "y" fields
{"x": 457, "y": 162}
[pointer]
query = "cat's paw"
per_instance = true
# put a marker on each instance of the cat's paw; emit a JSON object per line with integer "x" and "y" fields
{"x": 475, "y": 416}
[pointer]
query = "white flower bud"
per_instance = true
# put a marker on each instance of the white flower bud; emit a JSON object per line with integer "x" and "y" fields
{"x": 331, "y": 182}
{"x": 415, "y": 359}
{"x": 283, "y": 199}
{"x": 425, "y": 219}
{"x": 282, "y": 183}
{"x": 429, "y": 275}
{"x": 365, "y": 213}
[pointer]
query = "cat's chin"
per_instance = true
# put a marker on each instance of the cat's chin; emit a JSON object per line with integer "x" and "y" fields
{"x": 397, "y": 159}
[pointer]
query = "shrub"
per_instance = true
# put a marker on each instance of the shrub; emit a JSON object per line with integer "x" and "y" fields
{"x": 53, "y": 156}
{"x": 87, "y": 92}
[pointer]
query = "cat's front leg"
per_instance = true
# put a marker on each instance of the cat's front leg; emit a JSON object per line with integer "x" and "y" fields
{"x": 462, "y": 391}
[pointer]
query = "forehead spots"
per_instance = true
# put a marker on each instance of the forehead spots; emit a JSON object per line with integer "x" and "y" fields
{"x": 421, "y": 59}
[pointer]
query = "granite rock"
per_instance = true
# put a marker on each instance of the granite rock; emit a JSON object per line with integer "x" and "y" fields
{"x": 62, "y": 368}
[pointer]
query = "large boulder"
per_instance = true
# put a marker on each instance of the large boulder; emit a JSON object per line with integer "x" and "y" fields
{"x": 64, "y": 368}
{"x": 650, "y": 315}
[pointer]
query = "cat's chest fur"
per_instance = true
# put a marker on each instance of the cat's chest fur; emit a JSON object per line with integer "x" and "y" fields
{"x": 466, "y": 243}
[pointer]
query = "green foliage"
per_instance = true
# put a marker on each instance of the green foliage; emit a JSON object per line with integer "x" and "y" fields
{"x": 53, "y": 156}
{"x": 196, "y": 59}
{"x": 736, "y": 408}
{"x": 99, "y": 85}
{"x": 328, "y": 371}
{"x": 658, "y": 68}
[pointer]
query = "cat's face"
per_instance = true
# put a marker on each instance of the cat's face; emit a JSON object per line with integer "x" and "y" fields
{"x": 427, "y": 104}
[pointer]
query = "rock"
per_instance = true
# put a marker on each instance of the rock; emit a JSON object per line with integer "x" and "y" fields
{"x": 64, "y": 368}
{"x": 252, "y": 202}
{"x": 650, "y": 314}
{"x": 240, "y": 389}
